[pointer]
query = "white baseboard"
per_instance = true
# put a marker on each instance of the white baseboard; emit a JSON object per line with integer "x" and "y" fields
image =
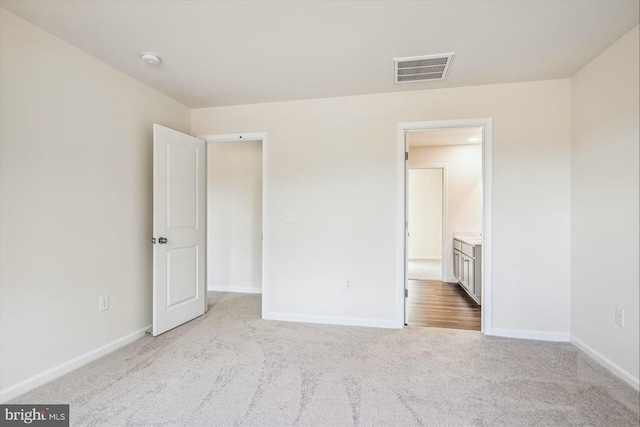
{"x": 345, "y": 321}
{"x": 606, "y": 363}
{"x": 530, "y": 335}
{"x": 239, "y": 289}
{"x": 66, "y": 367}
{"x": 426, "y": 258}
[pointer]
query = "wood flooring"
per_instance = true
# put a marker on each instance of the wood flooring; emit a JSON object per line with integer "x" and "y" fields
{"x": 441, "y": 305}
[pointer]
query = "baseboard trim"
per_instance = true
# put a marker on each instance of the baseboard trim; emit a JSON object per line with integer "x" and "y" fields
{"x": 66, "y": 367}
{"x": 530, "y": 335}
{"x": 426, "y": 258}
{"x": 344, "y": 321}
{"x": 238, "y": 289}
{"x": 606, "y": 363}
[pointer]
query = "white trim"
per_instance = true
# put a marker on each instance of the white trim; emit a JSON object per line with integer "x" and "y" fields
{"x": 531, "y": 335}
{"x": 487, "y": 204}
{"x": 238, "y": 289}
{"x": 606, "y": 363}
{"x": 68, "y": 366}
{"x": 253, "y": 136}
{"x": 427, "y": 258}
{"x": 235, "y": 137}
{"x": 345, "y": 321}
{"x": 487, "y": 227}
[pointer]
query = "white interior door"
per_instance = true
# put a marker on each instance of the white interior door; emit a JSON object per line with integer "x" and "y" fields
{"x": 179, "y": 227}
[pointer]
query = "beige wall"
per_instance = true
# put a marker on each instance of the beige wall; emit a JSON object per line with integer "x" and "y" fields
{"x": 76, "y": 200}
{"x": 604, "y": 205}
{"x": 234, "y": 216}
{"x": 424, "y": 204}
{"x": 334, "y": 163}
{"x": 464, "y": 189}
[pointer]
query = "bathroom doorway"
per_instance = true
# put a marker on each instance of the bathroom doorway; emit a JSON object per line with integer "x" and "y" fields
{"x": 444, "y": 211}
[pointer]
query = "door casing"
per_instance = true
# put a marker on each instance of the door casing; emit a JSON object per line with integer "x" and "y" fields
{"x": 487, "y": 197}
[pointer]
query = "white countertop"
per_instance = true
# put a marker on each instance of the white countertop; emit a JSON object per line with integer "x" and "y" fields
{"x": 473, "y": 239}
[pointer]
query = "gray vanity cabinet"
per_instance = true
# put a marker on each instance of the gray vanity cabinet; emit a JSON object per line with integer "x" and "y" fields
{"x": 467, "y": 266}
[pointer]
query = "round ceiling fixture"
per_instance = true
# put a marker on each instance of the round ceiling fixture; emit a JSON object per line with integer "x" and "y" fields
{"x": 150, "y": 58}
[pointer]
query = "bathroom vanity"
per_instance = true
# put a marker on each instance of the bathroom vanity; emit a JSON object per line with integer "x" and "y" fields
{"x": 467, "y": 264}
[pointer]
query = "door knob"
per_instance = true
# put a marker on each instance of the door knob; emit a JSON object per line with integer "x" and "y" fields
{"x": 162, "y": 240}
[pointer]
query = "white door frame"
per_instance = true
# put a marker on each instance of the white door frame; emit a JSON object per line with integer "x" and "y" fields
{"x": 254, "y": 136}
{"x": 487, "y": 197}
{"x": 444, "y": 208}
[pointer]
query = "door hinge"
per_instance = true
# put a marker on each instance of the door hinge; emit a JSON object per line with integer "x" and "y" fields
{"x": 406, "y": 155}
{"x": 406, "y": 293}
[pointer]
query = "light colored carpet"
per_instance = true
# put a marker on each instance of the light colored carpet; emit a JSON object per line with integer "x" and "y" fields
{"x": 229, "y": 368}
{"x": 425, "y": 269}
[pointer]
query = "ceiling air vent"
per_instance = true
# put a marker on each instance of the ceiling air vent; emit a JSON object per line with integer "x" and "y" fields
{"x": 422, "y": 68}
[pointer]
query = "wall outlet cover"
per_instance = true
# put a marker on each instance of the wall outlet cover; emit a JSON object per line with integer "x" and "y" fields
{"x": 103, "y": 302}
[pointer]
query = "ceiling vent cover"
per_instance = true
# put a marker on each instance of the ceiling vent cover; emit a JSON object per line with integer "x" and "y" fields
{"x": 422, "y": 68}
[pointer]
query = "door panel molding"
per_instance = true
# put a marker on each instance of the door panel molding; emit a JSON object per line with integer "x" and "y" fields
{"x": 179, "y": 209}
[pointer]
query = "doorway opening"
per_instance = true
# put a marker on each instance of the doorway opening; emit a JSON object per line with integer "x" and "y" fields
{"x": 234, "y": 217}
{"x": 426, "y": 222}
{"x": 446, "y": 218}
{"x": 236, "y": 197}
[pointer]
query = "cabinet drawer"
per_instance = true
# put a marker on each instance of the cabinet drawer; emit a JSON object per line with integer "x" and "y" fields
{"x": 457, "y": 244}
{"x": 468, "y": 250}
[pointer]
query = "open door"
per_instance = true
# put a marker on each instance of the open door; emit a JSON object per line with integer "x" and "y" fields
{"x": 406, "y": 229}
{"x": 179, "y": 221}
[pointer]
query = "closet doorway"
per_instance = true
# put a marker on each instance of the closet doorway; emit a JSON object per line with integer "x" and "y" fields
{"x": 236, "y": 200}
{"x": 234, "y": 216}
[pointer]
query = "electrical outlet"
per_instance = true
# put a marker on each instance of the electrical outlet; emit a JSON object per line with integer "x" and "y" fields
{"x": 290, "y": 218}
{"x": 619, "y": 316}
{"x": 103, "y": 302}
{"x": 348, "y": 285}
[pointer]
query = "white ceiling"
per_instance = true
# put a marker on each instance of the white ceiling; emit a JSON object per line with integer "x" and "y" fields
{"x": 237, "y": 52}
{"x": 455, "y": 136}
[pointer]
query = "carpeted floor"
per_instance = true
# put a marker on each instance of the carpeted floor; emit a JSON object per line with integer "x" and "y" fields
{"x": 230, "y": 368}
